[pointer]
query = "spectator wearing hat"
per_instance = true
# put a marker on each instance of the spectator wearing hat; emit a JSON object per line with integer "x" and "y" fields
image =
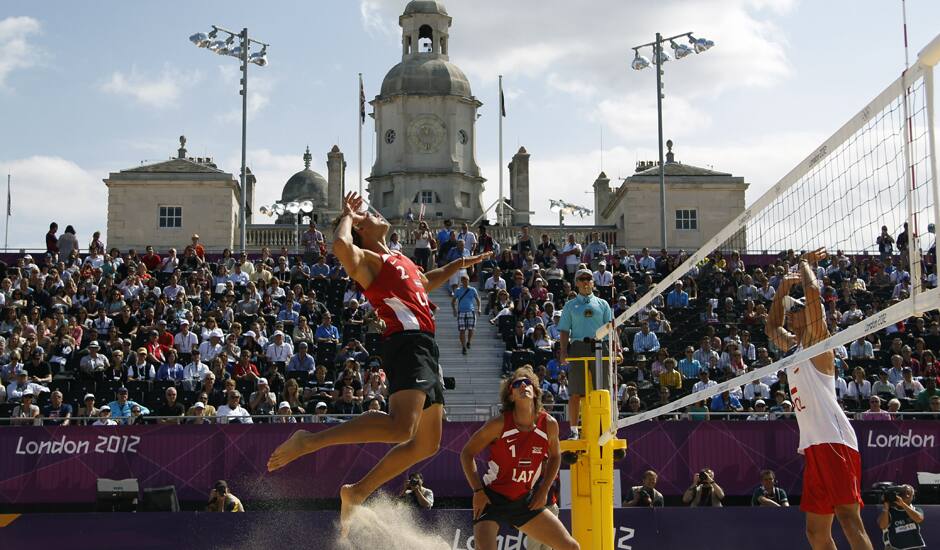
{"x": 121, "y": 407}
{"x": 760, "y": 411}
{"x": 262, "y": 401}
{"x": 284, "y": 414}
{"x": 88, "y": 409}
{"x": 94, "y": 364}
{"x": 104, "y": 417}
{"x": 213, "y": 346}
{"x": 22, "y": 384}
{"x": 170, "y": 408}
{"x": 140, "y": 368}
{"x": 279, "y": 352}
{"x": 199, "y": 413}
{"x": 301, "y": 361}
{"x": 232, "y": 411}
{"x": 26, "y": 413}
{"x": 57, "y": 413}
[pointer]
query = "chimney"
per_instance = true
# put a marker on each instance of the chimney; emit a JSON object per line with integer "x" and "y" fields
{"x": 336, "y": 181}
{"x": 602, "y": 196}
{"x": 519, "y": 187}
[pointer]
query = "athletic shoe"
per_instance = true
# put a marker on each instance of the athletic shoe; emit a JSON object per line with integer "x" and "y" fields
{"x": 574, "y": 436}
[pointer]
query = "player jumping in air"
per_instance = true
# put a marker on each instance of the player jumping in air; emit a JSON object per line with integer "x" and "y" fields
{"x": 833, "y": 471}
{"x": 399, "y": 293}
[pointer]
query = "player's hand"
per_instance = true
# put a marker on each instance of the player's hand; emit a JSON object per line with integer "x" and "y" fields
{"x": 480, "y": 501}
{"x": 539, "y": 498}
{"x": 815, "y": 255}
{"x": 352, "y": 206}
{"x": 790, "y": 280}
{"x": 474, "y": 260}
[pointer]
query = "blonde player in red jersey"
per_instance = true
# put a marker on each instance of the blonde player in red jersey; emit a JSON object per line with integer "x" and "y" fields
{"x": 399, "y": 293}
{"x": 524, "y": 457}
{"x": 833, "y": 470}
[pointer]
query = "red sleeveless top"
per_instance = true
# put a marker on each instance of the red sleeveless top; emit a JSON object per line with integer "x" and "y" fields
{"x": 516, "y": 458}
{"x": 398, "y": 296}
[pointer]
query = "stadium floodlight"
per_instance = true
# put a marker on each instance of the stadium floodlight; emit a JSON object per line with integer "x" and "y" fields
{"x": 265, "y": 211}
{"x": 639, "y": 62}
{"x": 279, "y": 209}
{"x": 241, "y": 51}
{"x": 659, "y": 57}
{"x": 306, "y": 206}
{"x": 680, "y": 50}
{"x": 293, "y": 207}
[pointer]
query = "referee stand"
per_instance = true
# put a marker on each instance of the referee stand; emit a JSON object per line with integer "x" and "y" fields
{"x": 592, "y": 465}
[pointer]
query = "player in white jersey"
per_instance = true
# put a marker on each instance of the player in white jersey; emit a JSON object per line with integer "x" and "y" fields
{"x": 833, "y": 471}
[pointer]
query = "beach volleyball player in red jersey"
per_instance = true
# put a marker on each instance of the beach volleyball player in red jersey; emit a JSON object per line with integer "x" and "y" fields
{"x": 399, "y": 293}
{"x": 524, "y": 457}
{"x": 832, "y": 473}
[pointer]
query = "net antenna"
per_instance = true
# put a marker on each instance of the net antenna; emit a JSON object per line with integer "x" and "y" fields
{"x": 878, "y": 169}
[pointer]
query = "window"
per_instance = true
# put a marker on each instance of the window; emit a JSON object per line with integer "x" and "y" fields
{"x": 171, "y": 216}
{"x": 387, "y": 198}
{"x": 465, "y": 199}
{"x": 687, "y": 220}
{"x": 427, "y": 197}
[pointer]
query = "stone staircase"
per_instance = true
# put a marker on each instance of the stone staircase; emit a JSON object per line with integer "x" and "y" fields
{"x": 477, "y": 374}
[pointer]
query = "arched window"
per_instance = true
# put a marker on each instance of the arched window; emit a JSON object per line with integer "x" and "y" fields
{"x": 425, "y": 39}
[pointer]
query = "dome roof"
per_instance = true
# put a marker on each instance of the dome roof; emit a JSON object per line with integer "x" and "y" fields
{"x": 425, "y": 6}
{"x": 306, "y": 185}
{"x": 427, "y": 76}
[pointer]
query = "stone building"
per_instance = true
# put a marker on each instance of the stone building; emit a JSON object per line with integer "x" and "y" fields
{"x": 699, "y": 203}
{"x": 163, "y": 204}
{"x": 425, "y": 126}
{"x": 324, "y": 195}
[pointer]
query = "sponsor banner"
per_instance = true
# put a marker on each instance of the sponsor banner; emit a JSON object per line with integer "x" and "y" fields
{"x": 635, "y": 529}
{"x": 55, "y": 464}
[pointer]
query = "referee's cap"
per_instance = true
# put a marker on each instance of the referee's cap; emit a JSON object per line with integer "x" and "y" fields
{"x": 582, "y": 272}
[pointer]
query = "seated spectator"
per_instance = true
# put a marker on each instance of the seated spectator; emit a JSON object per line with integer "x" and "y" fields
{"x": 262, "y": 401}
{"x": 284, "y": 414}
{"x": 560, "y": 388}
{"x": 882, "y": 387}
{"x": 170, "y": 370}
{"x": 292, "y": 395}
{"x": 908, "y": 388}
{"x": 664, "y": 400}
{"x": 767, "y": 493}
{"x": 375, "y": 389}
{"x": 57, "y": 413}
{"x": 859, "y": 388}
{"x": 195, "y": 371}
{"x": 171, "y": 408}
{"x": 704, "y": 491}
{"x": 756, "y": 390}
{"x": 670, "y": 377}
{"x": 244, "y": 369}
{"x": 874, "y": 412}
{"x": 320, "y": 387}
{"x": 121, "y": 407}
{"x": 688, "y": 366}
{"x": 924, "y": 397}
{"x": 645, "y": 341}
{"x": 658, "y": 324}
{"x": 25, "y": 413}
{"x": 232, "y": 411}
{"x": 678, "y": 297}
{"x": 326, "y": 332}
{"x": 704, "y": 382}
{"x": 760, "y": 411}
{"x": 104, "y": 417}
{"x": 88, "y": 410}
{"x": 279, "y": 352}
{"x": 321, "y": 414}
{"x": 301, "y": 361}
{"x": 18, "y": 387}
{"x": 646, "y": 494}
{"x": 725, "y": 402}
{"x": 698, "y": 411}
{"x": 346, "y": 403}
{"x": 896, "y": 371}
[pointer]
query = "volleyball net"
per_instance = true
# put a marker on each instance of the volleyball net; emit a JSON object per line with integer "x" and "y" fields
{"x": 878, "y": 169}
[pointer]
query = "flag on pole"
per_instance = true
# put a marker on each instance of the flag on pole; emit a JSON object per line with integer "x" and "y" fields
{"x": 362, "y": 102}
{"x": 502, "y": 101}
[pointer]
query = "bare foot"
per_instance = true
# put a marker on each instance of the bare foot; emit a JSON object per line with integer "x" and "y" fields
{"x": 349, "y": 500}
{"x": 297, "y": 445}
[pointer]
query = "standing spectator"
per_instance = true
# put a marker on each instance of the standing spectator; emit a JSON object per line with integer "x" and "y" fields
{"x": 68, "y": 243}
{"x": 423, "y": 245}
{"x": 885, "y": 243}
{"x": 467, "y": 237}
{"x": 767, "y": 493}
{"x": 646, "y": 494}
{"x": 596, "y": 250}
{"x": 571, "y": 256}
{"x": 198, "y": 249}
{"x": 466, "y": 305}
{"x": 52, "y": 242}
{"x": 312, "y": 239}
{"x": 704, "y": 491}
{"x": 901, "y": 243}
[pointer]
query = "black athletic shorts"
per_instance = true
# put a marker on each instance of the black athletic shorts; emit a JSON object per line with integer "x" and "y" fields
{"x": 412, "y": 362}
{"x": 505, "y": 511}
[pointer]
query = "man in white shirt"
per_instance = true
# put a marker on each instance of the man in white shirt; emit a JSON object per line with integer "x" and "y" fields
{"x": 703, "y": 382}
{"x": 185, "y": 341}
{"x": 468, "y": 237}
{"x": 173, "y": 289}
{"x": 647, "y": 262}
{"x": 213, "y": 346}
{"x": 861, "y": 349}
{"x": 756, "y": 390}
{"x": 195, "y": 371}
{"x": 279, "y": 351}
{"x": 232, "y": 411}
{"x": 571, "y": 252}
{"x": 602, "y": 277}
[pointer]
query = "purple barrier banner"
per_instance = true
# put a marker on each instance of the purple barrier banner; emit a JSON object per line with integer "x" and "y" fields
{"x": 54, "y": 464}
{"x": 634, "y": 529}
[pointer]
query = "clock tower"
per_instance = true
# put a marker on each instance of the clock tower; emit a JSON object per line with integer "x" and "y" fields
{"x": 425, "y": 120}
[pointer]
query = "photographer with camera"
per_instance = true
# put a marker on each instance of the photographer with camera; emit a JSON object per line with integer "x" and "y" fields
{"x": 415, "y": 493}
{"x": 646, "y": 494}
{"x": 899, "y": 521}
{"x": 704, "y": 491}
{"x": 220, "y": 500}
{"x": 767, "y": 493}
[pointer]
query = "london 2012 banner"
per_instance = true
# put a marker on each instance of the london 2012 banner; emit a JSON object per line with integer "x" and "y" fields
{"x": 62, "y": 464}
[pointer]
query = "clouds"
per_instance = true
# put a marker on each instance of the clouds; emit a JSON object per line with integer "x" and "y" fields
{"x": 260, "y": 88}
{"x": 16, "y": 51}
{"x": 159, "y": 91}
{"x": 48, "y": 188}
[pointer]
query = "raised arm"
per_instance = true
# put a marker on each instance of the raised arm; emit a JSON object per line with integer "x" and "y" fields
{"x": 774, "y": 329}
{"x": 437, "y": 277}
{"x": 816, "y": 328}
{"x": 361, "y": 265}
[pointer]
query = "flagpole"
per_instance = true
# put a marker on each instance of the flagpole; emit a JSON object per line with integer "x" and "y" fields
{"x": 361, "y": 122}
{"x": 6, "y": 231}
{"x": 500, "y": 215}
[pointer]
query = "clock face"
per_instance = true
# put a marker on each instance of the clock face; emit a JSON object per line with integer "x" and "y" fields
{"x": 462, "y": 136}
{"x": 390, "y": 136}
{"x": 426, "y": 133}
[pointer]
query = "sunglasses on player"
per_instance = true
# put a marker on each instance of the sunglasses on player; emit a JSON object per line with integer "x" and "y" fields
{"x": 516, "y": 384}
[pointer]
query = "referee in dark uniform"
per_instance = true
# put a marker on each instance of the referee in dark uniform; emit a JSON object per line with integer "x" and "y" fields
{"x": 580, "y": 319}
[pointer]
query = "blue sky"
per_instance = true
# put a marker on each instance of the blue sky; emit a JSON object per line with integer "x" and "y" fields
{"x": 87, "y": 88}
